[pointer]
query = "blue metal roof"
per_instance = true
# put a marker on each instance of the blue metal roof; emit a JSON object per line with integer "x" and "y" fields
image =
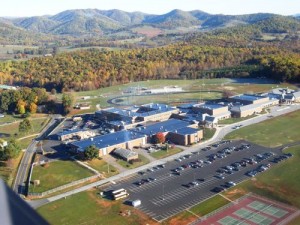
{"x": 142, "y": 111}
{"x": 108, "y": 139}
{"x": 210, "y": 106}
{"x": 166, "y": 126}
{"x": 187, "y": 130}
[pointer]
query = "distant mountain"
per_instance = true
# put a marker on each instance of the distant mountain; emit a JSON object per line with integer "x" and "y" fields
{"x": 173, "y": 19}
{"x": 100, "y": 22}
{"x": 10, "y": 34}
{"x": 37, "y": 24}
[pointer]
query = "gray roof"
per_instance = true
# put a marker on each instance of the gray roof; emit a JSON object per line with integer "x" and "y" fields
{"x": 297, "y": 94}
{"x": 246, "y": 97}
{"x": 124, "y": 153}
{"x": 210, "y": 106}
{"x": 240, "y": 108}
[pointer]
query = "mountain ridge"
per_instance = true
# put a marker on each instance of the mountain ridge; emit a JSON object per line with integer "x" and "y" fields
{"x": 95, "y": 21}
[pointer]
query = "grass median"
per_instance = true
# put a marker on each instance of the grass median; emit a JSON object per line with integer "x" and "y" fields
{"x": 165, "y": 153}
{"x": 272, "y": 132}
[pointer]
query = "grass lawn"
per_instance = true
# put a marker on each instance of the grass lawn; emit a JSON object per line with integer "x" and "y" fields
{"x": 100, "y": 96}
{"x": 57, "y": 173}
{"x": 12, "y": 130}
{"x": 208, "y": 133}
{"x": 128, "y": 165}
{"x": 273, "y": 132}
{"x": 23, "y": 143}
{"x": 235, "y": 120}
{"x": 8, "y": 169}
{"x": 170, "y": 98}
{"x": 102, "y": 166}
{"x": 89, "y": 208}
{"x": 8, "y": 119}
{"x": 164, "y": 153}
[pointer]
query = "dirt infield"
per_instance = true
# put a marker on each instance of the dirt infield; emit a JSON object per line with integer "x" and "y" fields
{"x": 251, "y": 210}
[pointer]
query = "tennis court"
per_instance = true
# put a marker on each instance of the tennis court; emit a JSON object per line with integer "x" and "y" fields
{"x": 251, "y": 210}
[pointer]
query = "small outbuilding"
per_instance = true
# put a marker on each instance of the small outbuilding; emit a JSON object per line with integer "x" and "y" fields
{"x": 126, "y": 154}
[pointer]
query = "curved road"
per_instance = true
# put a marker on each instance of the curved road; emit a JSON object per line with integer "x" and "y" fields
{"x": 20, "y": 182}
{"x": 219, "y": 135}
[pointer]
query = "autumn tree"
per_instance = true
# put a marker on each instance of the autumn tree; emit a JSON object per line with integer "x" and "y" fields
{"x": 158, "y": 138}
{"x": 21, "y": 106}
{"x": 33, "y": 107}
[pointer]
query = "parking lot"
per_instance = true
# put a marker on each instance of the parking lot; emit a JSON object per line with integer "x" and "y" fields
{"x": 170, "y": 188}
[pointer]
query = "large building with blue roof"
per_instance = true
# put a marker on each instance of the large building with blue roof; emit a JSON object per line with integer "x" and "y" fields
{"x": 130, "y": 117}
{"x": 176, "y": 131}
{"x": 107, "y": 143}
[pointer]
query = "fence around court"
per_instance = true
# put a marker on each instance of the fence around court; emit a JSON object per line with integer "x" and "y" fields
{"x": 203, "y": 218}
{"x": 289, "y": 208}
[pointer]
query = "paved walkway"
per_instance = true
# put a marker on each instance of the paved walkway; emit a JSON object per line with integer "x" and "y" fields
{"x": 144, "y": 153}
{"x": 112, "y": 161}
{"x": 219, "y": 135}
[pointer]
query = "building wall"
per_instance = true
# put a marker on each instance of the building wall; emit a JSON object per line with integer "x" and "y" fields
{"x": 160, "y": 116}
{"x": 177, "y": 138}
{"x": 124, "y": 145}
{"x": 187, "y": 139}
{"x": 211, "y": 111}
{"x": 249, "y": 112}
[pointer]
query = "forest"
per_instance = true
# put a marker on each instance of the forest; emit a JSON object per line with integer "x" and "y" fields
{"x": 233, "y": 52}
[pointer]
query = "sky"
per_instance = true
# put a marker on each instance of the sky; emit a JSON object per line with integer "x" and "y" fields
{"x": 20, "y": 8}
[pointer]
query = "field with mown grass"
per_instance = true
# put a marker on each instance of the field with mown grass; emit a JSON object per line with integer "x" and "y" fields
{"x": 272, "y": 132}
{"x": 57, "y": 173}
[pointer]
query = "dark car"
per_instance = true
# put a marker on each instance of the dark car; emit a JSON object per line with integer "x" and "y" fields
{"x": 217, "y": 189}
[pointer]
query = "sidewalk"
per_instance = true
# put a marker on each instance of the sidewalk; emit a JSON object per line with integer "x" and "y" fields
{"x": 112, "y": 161}
{"x": 144, "y": 153}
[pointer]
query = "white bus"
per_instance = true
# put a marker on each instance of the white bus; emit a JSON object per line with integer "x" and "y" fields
{"x": 120, "y": 193}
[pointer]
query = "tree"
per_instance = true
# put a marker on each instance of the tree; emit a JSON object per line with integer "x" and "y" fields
{"x": 25, "y": 126}
{"x": 67, "y": 101}
{"x": 91, "y": 152}
{"x": 33, "y": 107}
{"x": 158, "y": 138}
{"x": 12, "y": 150}
{"x": 21, "y": 106}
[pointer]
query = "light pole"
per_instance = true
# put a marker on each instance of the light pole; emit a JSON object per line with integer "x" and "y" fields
{"x": 163, "y": 189}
